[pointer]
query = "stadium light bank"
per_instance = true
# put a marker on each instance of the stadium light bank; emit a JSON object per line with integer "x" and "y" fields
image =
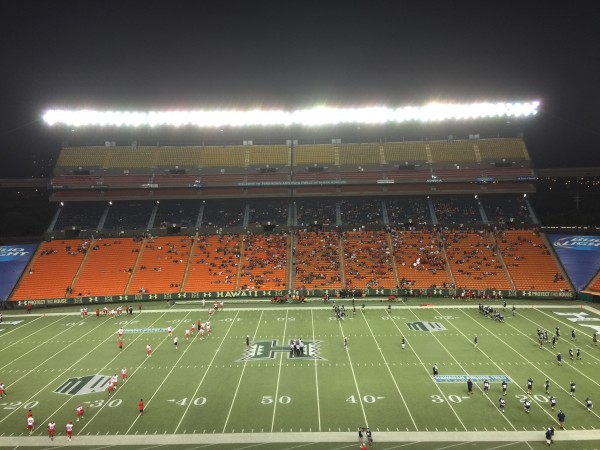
{"x": 312, "y": 117}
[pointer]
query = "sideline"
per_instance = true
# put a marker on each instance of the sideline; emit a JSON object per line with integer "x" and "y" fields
{"x": 313, "y": 437}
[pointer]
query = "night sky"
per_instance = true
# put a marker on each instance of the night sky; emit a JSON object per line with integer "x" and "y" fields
{"x": 226, "y": 54}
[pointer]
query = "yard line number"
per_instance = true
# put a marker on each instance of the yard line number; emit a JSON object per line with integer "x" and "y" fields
{"x": 451, "y": 398}
{"x": 283, "y": 400}
{"x": 16, "y": 405}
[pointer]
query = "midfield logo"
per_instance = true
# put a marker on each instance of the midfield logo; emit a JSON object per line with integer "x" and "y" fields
{"x": 425, "y": 326}
{"x": 84, "y": 385}
{"x": 266, "y": 350}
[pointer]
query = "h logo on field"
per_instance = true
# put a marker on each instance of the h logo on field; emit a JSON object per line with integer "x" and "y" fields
{"x": 265, "y": 350}
{"x": 425, "y": 326}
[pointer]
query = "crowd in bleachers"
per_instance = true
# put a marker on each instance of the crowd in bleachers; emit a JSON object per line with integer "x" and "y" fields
{"x": 264, "y": 212}
{"x": 456, "y": 210}
{"x": 361, "y": 211}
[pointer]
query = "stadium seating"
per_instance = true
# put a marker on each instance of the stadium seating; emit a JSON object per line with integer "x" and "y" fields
{"x": 420, "y": 259}
{"x": 529, "y": 262}
{"x": 317, "y": 260}
{"x": 474, "y": 260}
{"x": 162, "y": 265}
{"x": 214, "y": 263}
{"x": 264, "y": 262}
{"x": 314, "y": 154}
{"x": 51, "y": 270}
{"x": 367, "y": 260}
{"x": 108, "y": 267}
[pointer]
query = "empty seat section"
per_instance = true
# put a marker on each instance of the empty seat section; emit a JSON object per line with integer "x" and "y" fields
{"x": 420, "y": 261}
{"x": 529, "y": 262}
{"x": 108, "y": 267}
{"x": 405, "y": 152}
{"x": 317, "y": 260}
{"x": 268, "y": 155}
{"x": 52, "y": 270}
{"x": 452, "y": 151}
{"x": 264, "y": 262}
{"x": 214, "y": 263}
{"x": 84, "y": 157}
{"x": 314, "y": 155}
{"x": 367, "y": 260}
{"x": 162, "y": 265}
{"x": 359, "y": 154}
{"x": 474, "y": 260}
{"x": 178, "y": 156}
{"x": 233, "y": 156}
{"x": 502, "y": 149}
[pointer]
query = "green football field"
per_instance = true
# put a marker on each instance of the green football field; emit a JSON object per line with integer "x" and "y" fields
{"x": 217, "y": 392}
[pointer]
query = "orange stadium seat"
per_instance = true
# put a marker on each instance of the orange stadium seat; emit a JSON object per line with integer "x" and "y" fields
{"x": 529, "y": 262}
{"x": 317, "y": 260}
{"x": 51, "y": 270}
{"x": 420, "y": 259}
{"x": 474, "y": 261}
{"x": 368, "y": 260}
{"x": 214, "y": 263}
{"x": 108, "y": 267}
{"x": 264, "y": 262}
{"x": 162, "y": 265}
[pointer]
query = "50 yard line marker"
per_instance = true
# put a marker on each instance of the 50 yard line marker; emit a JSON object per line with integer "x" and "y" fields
{"x": 312, "y": 319}
{"x": 241, "y": 376}
{"x": 279, "y": 374}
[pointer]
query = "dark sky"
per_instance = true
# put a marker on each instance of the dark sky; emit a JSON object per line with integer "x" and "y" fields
{"x": 205, "y": 54}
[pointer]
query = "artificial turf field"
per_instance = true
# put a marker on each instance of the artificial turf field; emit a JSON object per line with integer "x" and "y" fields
{"x": 217, "y": 393}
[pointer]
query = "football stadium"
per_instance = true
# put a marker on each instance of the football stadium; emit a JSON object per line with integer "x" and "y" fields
{"x": 312, "y": 279}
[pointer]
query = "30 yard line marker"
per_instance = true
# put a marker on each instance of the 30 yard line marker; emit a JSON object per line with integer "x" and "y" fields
{"x": 312, "y": 319}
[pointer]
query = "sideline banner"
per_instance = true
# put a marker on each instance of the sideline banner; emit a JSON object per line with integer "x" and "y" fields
{"x": 13, "y": 260}
{"x": 310, "y": 294}
{"x": 579, "y": 255}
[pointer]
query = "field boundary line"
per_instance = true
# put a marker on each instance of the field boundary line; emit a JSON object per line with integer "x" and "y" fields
{"x": 300, "y": 437}
{"x": 449, "y": 403}
{"x": 392, "y": 375}
{"x": 279, "y": 373}
{"x": 132, "y": 374}
{"x": 61, "y": 374}
{"x": 237, "y": 388}
{"x": 312, "y": 320}
{"x": 360, "y": 399}
{"x": 206, "y": 372}
{"x": 503, "y": 370}
{"x": 467, "y": 373}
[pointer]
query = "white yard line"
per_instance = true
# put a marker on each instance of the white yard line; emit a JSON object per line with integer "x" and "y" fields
{"x": 566, "y": 337}
{"x": 538, "y": 368}
{"x": 61, "y": 373}
{"x": 360, "y": 399}
{"x": 448, "y": 402}
{"x": 33, "y": 348}
{"x": 205, "y": 373}
{"x": 118, "y": 392}
{"x": 466, "y": 373}
{"x": 535, "y": 402}
{"x": 165, "y": 378}
{"x": 241, "y": 376}
{"x": 312, "y": 319}
{"x": 18, "y": 327}
{"x": 279, "y": 374}
{"x": 394, "y": 379}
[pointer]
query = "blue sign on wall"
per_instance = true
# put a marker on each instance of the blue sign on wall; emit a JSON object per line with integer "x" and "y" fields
{"x": 579, "y": 255}
{"x": 13, "y": 260}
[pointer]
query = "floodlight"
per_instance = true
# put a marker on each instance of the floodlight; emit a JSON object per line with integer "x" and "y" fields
{"x": 312, "y": 117}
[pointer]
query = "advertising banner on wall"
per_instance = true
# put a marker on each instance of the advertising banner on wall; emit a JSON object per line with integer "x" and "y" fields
{"x": 13, "y": 260}
{"x": 579, "y": 255}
